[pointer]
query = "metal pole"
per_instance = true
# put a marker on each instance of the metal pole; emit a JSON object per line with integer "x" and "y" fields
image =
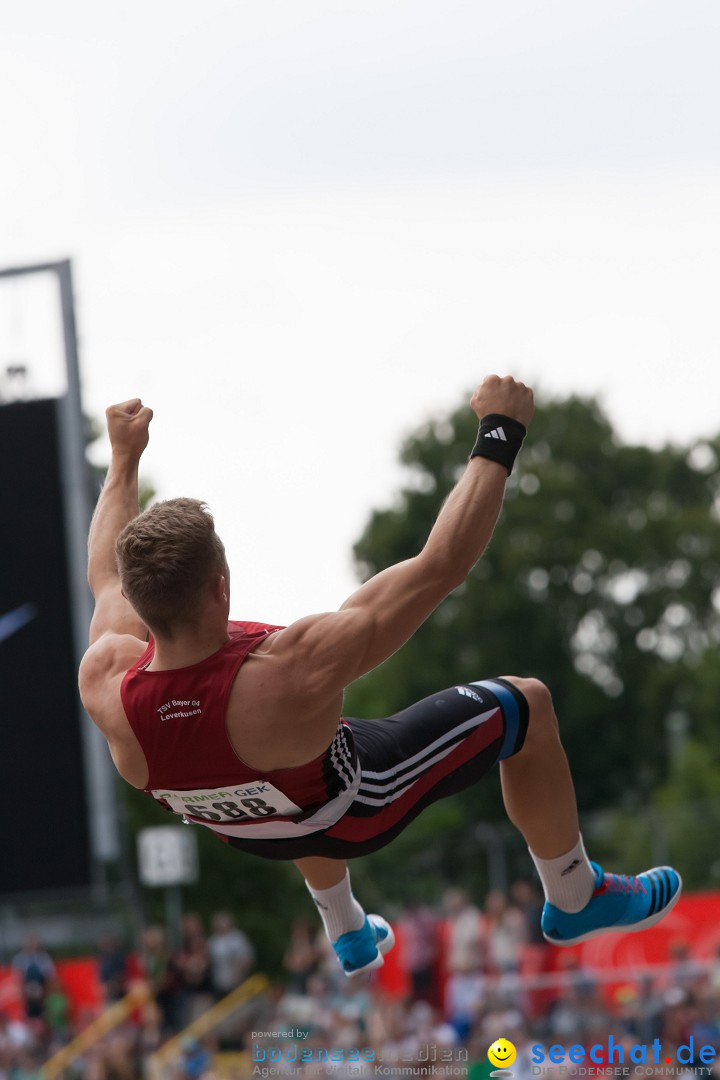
{"x": 102, "y": 809}
{"x": 105, "y": 812}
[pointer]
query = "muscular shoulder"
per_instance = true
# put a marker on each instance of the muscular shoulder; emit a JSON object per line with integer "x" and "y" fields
{"x": 320, "y": 649}
{"x": 102, "y": 670}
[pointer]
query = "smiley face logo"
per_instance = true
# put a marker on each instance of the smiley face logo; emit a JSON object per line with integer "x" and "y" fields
{"x": 502, "y": 1053}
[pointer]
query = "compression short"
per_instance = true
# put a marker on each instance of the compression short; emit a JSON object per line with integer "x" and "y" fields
{"x": 435, "y": 748}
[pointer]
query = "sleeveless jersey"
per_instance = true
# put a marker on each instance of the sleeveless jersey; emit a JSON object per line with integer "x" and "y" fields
{"x": 178, "y": 717}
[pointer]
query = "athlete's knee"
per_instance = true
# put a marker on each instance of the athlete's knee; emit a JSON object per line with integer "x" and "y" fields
{"x": 542, "y": 720}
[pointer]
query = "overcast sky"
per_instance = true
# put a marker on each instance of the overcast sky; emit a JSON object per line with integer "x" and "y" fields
{"x": 299, "y": 228}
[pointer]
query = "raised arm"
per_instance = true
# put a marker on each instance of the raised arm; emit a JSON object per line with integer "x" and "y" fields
{"x": 376, "y": 620}
{"x": 118, "y": 504}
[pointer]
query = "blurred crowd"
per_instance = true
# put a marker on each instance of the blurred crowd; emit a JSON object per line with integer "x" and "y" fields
{"x": 183, "y": 982}
{"x": 464, "y": 975}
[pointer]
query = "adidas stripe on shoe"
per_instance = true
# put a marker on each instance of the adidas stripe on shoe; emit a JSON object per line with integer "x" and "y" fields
{"x": 619, "y": 902}
{"x": 363, "y": 950}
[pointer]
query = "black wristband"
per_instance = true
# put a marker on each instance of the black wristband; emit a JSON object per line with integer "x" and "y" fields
{"x": 499, "y": 438}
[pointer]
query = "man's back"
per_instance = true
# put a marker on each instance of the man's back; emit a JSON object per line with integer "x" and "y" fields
{"x": 272, "y": 720}
{"x": 179, "y": 717}
{"x": 179, "y": 714}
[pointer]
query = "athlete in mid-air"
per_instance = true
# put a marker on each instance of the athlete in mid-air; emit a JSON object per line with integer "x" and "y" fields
{"x": 238, "y": 726}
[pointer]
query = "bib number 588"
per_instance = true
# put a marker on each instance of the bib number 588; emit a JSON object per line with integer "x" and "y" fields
{"x": 231, "y": 811}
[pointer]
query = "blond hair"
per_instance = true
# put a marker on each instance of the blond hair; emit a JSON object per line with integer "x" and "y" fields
{"x": 168, "y": 557}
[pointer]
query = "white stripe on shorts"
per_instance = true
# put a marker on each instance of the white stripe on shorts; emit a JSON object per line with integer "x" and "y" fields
{"x": 394, "y": 787}
{"x": 474, "y": 721}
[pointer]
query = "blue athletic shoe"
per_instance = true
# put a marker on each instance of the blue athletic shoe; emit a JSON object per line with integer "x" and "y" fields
{"x": 619, "y": 902}
{"x": 362, "y": 950}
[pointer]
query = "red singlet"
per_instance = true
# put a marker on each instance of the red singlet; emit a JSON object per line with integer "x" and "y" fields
{"x": 178, "y": 718}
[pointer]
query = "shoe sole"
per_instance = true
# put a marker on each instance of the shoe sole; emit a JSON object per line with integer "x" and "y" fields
{"x": 631, "y": 928}
{"x": 383, "y": 947}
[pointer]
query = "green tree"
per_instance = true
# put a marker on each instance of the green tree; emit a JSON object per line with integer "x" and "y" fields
{"x": 682, "y": 822}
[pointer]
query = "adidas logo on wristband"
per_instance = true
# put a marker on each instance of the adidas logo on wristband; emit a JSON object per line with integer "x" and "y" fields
{"x": 499, "y": 439}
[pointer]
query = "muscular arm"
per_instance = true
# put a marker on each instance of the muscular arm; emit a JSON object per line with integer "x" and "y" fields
{"x": 117, "y": 505}
{"x": 376, "y": 620}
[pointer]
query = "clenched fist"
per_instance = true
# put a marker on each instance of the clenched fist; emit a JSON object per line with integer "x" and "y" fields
{"x": 128, "y": 427}
{"x": 505, "y": 396}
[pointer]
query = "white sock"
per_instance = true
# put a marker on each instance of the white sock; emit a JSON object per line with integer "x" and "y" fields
{"x": 569, "y": 880}
{"x": 339, "y": 910}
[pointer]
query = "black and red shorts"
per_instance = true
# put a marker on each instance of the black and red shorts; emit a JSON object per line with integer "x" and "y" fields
{"x": 435, "y": 748}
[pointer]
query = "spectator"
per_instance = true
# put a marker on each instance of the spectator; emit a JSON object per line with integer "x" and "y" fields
{"x": 195, "y": 1061}
{"x": 507, "y": 932}
{"x": 191, "y": 963}
{"x": 578, "y": 1008}
{"x": 679, "y": 1014}
{"x": 387, "y": 1027}
{"x": 164, "y": 981}
{"x": 35, "y": 967}
{"x": 430, "y": 1030}
{"x": 638, "y": 1011}
{"x": 231, "y": 954}
{"x": 56, "y": 1013}
{"x": 686, "y": 973}
{"x": 301, "y": 958}
{"x": 524, "y": 894}
{"x": 115, "y": 1056}
{"x": 705, "y": 1030}
{"x": 14, "y": 1036}
{"x": 465, "y": 995}
{"x": 27, "y": 1064}
{"x": 466, "y": 942}
{"x": 112, "y": 967}
{"x": 419, "y": 930}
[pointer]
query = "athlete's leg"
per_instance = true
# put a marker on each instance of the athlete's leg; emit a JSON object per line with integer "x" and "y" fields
{"x": 537, "y": 786}
{"x": 445, "y": 744}
{"x": 581, "y": 900}
{"x": 358, "y": 939}
{"x": 321, "y": 873}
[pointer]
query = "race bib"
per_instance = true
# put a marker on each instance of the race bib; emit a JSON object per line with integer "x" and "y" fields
{"x": 259, "y": 799}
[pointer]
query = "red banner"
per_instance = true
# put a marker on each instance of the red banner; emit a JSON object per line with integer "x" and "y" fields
{"x": 11, "y": 1001}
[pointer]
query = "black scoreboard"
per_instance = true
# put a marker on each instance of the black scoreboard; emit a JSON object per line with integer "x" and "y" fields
{"x": 44, "y": 841}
